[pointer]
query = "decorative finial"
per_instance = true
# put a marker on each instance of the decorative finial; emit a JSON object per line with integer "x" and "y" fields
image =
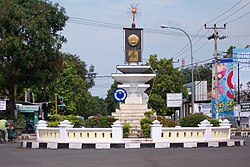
{"x": 133, "y": 12}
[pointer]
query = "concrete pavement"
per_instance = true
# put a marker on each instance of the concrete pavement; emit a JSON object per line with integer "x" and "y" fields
{"x": 12, "y": 155}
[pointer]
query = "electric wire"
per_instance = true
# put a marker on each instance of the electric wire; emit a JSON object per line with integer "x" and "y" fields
{"x": 233, "y": 13}
{"x": 178, "y": 53}
{"x": 181, "y": 52}
{"x": 95, "y": 23}
{"x": 238, "y": 18}
{"x": 224, "y": 12}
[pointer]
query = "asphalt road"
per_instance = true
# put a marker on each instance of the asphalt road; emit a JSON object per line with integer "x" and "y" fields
{"x": 11, "y": 155}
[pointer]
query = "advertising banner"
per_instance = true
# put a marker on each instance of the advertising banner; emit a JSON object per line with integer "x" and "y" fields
{"x": 242, "y": 56}
{"x": 225, "y": 90}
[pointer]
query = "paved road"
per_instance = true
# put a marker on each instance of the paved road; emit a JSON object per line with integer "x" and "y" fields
{"x": 11, "y": 155}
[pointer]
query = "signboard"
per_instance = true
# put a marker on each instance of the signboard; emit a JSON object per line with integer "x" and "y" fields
{"x": 245, "y": 106}
{"x": 174, "y": 103}
{"x": 174, "y": 96}
{"x": 120, "y": 95}
{"x": 225, "y": 90}
{"x": 242, "y": 55}
{"x": 174, "y": 99}
{"x": 30, "y": 108}
{"x": 2, "y": 105}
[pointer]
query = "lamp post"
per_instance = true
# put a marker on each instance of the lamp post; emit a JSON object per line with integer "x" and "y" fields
{"x": 192, "y": 69}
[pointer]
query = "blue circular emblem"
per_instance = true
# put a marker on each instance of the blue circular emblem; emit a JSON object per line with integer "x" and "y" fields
{"x": 120, "y": 95}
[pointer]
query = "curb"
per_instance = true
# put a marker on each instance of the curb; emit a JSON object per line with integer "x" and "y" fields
{"x": 54, "y": 145}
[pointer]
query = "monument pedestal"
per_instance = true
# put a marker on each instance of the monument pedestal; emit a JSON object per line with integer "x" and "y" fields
{"x": 133, "y": 79}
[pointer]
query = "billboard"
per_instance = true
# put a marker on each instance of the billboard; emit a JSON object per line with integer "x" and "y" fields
{"x": 225, "y": 90}
{"x": 242, "y": 56}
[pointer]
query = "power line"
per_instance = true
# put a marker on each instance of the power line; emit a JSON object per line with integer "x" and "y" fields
{"x": 202, "y": 61}
{"x": 238, "y": 18}
{"x": 240, "y": 36}
{"x": 95, "y": 23}
{"x": 188, "y": 48}
{"x": 233, "y": 13}
{"x": 224, "y": 12}
{"x": 177, "y": 54}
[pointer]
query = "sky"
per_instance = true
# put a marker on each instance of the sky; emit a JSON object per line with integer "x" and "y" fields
{"x": 94, "y": 31}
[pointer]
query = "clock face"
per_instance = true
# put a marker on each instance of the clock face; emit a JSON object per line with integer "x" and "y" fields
{"x": 133, "y": 40}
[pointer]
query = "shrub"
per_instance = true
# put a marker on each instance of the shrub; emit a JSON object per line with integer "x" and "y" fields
{"x": 99, "y": 122}
{"x": 215, "y": 122}
{"x": 166, "y": 122}
{"x": 126, "y": 127}
{"x": 77, "y": 122}
{"x": 53, "y": 124}
{"x": 54, "y": 120}
{"x": 149, "y": 113}
{"x": 195, "y": 119}
{"x": 55, "y": 117}
{"x": 145, "y": 126}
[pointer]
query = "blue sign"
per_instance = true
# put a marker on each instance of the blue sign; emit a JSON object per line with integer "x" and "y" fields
{"x": 120, "y": 95}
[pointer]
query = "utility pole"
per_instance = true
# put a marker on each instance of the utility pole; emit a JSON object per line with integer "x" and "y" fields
{"x": 215, "y": 36}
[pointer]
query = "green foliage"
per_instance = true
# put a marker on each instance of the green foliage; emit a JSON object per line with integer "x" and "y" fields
{"x": 55, "y": 117}
{"x": 111, "y": 104}
{"x": 215, "y": 122}
{"x": 168, "y": 80}
{"x": 30, "y": 37}
{"x": 195, "y": 119}
{"x": 76, "y": 121}
{"x": 126, "y": 127}
{"x": 54, "y": 120}
{"x": 20, "y": 122}
{"x": 148, "y": 113}
{"x": 201, "y": 73}
{"x": 166, "y": 122}
{"x": 99, "y": 122}
{"x": 72, "y": 84}
{"x": 145, "y": 126}
{"x": 53, "y": 124}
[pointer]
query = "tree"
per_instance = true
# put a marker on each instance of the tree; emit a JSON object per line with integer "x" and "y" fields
{"x": 201, "y": 73}
{"x": 30, "y": 40}
{"x": 230, "y": 52}
{"x": 168, "y": 80}
{"x": 111, "y": 104}
{"x": 73, "y": 84}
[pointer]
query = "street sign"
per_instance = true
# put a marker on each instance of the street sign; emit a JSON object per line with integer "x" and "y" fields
{"x": 174, "y": 99}
{"x": 120, "y": 95}
{"x": 174, "y": 96}
{"x": 2, "y": 105}
{"x": 174, "y": 103}
{"x": 245, "y": 106}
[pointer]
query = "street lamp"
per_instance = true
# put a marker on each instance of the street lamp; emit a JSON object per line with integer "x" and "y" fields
{"x": 192, "y": 69}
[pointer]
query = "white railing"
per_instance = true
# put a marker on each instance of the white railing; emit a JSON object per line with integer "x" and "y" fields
{"x": 205, "y": 132}
{"x": 66, "y": 133}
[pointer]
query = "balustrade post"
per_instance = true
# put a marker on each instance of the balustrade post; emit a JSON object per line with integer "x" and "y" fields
{"x": 156, "y": 131}
{"x": 40, "y": 124}
{"x": 117, "y": 132}
{"x": 226, "y": 124}
{"x": 63, "y": 132}
{"x": 208, "y": 129}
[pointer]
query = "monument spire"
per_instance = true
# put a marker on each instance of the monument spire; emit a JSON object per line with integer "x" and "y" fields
{"x": 133, "y": 12}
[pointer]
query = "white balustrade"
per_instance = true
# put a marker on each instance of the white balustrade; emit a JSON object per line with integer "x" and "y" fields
{"x": 66, "y": 133}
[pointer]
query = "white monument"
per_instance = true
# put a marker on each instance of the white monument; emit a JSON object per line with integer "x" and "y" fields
{"x": 133, "y": 78}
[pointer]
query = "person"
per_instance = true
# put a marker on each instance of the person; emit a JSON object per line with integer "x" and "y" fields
{"x": 11, "y": 133}
{"x": 3, "y": 127}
